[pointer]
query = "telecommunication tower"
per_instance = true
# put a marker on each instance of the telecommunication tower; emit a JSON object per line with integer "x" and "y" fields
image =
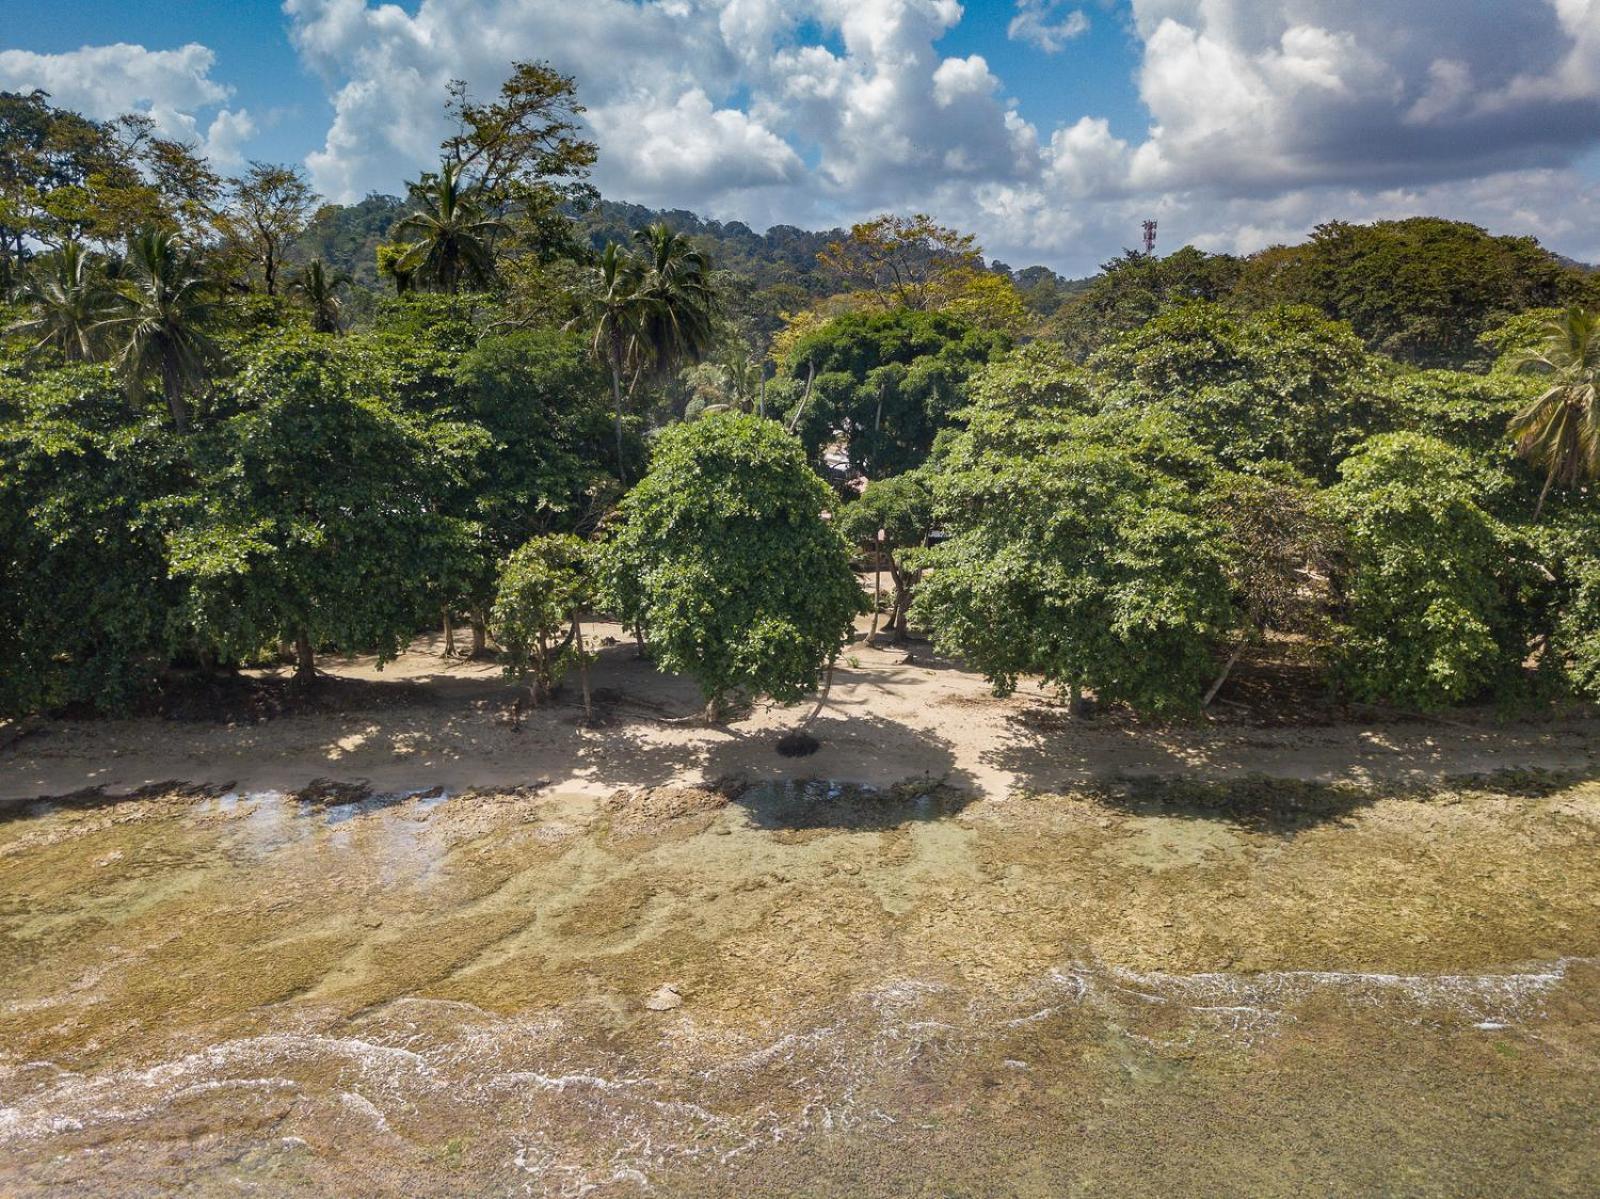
{"x": 1149, "y": 237}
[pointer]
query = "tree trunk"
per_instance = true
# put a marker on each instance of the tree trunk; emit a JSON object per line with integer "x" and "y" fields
{"x": 1227, "y": 669}
{"x": 902, "y": 603}
{"x": 616, "y": 400}
{"x": 805, "y": 399}
{"x": 449, "y": 633}
{"x": 173, "y": 390}
{"x": 822, "y": 696}
{"x": 877, "y": 588}
{"x": 713, "y": 711}
{"x": 1544, "y": 491}
{"x": 583, "y": 670}
{"x": 480, "y": 633}
{"x": 638, "y": 641}
{"x": 305, "y": 669}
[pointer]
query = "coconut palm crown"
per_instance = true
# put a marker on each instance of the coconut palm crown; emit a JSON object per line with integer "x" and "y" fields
{"x": 69, "y": 297}
{"x": 1560, "y": 431}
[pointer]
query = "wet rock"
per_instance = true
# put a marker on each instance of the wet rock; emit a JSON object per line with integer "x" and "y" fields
{"x": 665, "y": 998}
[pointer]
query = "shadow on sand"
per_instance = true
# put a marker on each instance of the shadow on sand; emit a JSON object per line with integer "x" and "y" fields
{"x": 1284, "y": 807}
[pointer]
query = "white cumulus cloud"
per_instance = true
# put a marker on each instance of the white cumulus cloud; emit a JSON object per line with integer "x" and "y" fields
{"x": 171, "y": 86}
{"x": 1259, "y": 117}
{"x": 1044, "y": 24}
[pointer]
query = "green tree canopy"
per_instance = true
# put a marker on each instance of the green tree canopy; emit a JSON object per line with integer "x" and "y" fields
{"x": 1559, "y": 432}
{"x": 316, "y": 521}
{"x": 161, "y": 325}
{"x": 901, "y": 508}
{"x": 541, "y": 401}
{"x": 543, "y": 586}
{"x": 85, "y": 602}
{"x": 885, "y": 382}
{"x": 68, "y": 297}
{"x": 1080, "y": 551}
{"x": 451, "y": 234}
{"x": 1420, "y": 290}
{"x": 724, "y": 558}
{"x": 1284, "y": 384}
{"x": 1431, "y": 598}
{"x": 1132, "y": 289}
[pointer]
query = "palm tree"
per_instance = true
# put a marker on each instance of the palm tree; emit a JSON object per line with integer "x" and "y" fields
{"x": 655, "y": 312}
{"x": 70, "y": 297}
{"x": 159, "y": 320}
{"x": 452, "y": 236}
{"x": 1560, "y": 431}
{"x": 319, "y": 288}
{"x": 614, "y": 312}
{"x": 741, "y": 371}
{"x": 680, "y": 314}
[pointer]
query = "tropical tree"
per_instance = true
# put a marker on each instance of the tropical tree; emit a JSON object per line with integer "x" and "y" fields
{"x": 542, "y": 399}
{"x": 1080, "y": 550}
{"x": 1429, "y": 594}
{"x": 70, "y": 298}
{"x": 723, "y": 557}
{"x": 159, "y": 325}
{"x": 1560, "y": 431}
{"x": 1284, "y": 384}
{"x": 318, "y": 289}
{"x": 524, "y": 154}
{"x": 901, "y": 262}
{"x": 1280, "y": 549}
{"x": 269, "y": 209}
{"x": 544, "y": 586}
{"x": 614, "y": 312}
{"x": 317, "y": 520}
{"x": 901, "y": 509}
{"x": 85, "y": 599}
{"x": 678, "y": 316}
{"x": 885, "y": 383}
{"x": 452, "y": 236}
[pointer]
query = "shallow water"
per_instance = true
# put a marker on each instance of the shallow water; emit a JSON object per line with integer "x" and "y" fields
{"x": 887, "y": 993}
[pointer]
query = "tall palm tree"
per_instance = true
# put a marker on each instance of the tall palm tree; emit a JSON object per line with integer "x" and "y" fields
{"x": 318, "y": 288}
{"x": 681, "y": 309}
{"x": 614, "y": 313}
{"x": 70, "y": 297}
{"x": 453, "y": 237}
{"x": 1560, "y": 431}
{"x": 158, "y": 325}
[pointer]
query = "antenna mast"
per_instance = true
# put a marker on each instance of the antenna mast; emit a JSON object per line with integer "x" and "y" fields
{"x": 1149, "y": 238}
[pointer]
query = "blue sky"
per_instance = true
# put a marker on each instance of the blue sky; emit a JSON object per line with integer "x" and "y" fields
{"x": 256, "y": 58}
{"x": 1051, "y": 127}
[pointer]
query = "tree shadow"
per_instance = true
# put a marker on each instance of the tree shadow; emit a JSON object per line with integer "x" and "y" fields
{"x": 1285, "y": 807}
{"x": 88, "y": 799}
{"x": 833, "y": 788}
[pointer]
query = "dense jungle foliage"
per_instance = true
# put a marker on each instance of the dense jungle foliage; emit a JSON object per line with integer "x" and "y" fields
{"x": 238, "y": 425}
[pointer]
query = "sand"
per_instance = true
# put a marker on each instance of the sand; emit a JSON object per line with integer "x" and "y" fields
{"x": 425, "y": 720}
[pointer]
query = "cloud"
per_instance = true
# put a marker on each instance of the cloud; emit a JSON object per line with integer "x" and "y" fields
{"x": 227, "y": 135}
{"x": 1036, "y": 23}
{"x": 171, "y": 86}
{"x": 1252, "y": 96}
{"x": 1262, "y": 117}
{"x": 692, "y": 151}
